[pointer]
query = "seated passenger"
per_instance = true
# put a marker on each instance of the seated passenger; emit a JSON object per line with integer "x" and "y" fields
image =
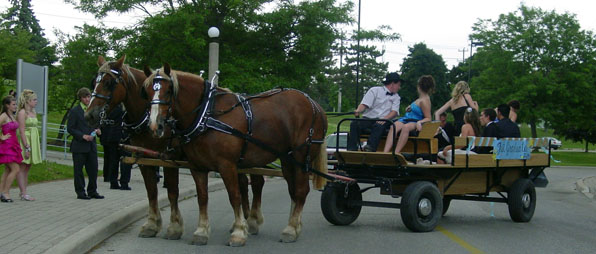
{"x": 487, "y": 118}
{"x": 445, "y": 133}
{"x": 378, "y": 102}
{"x": 505, "y": 127}
{"x": 470, "y": 128}
{"x": 416, "y": 114}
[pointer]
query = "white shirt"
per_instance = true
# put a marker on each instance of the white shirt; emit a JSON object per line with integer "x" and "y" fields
{"x": 379, "y": 103}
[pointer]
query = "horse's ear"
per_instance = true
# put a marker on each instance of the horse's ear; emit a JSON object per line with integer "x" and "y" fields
{"x": 100, "y": 61}
{"x": 166, "y": 68}
{"x": 120, "y": 62}
{"x": 147, "y": 71}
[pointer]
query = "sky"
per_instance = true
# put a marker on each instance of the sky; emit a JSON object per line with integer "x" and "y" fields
{"x": 442, "y": 25}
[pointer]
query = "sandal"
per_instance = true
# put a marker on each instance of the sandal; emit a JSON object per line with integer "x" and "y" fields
{"x": 3, "y": 199}
{"x": 26, "y": 197}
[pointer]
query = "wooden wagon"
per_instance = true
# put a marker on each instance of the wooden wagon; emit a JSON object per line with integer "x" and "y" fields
{"x": 426, "y": 190}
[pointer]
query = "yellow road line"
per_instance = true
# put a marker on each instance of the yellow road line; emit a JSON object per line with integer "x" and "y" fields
{"x": 459, "y": 241}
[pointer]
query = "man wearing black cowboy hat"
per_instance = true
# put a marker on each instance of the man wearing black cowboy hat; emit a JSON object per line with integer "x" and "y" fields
{"x": 380, "y": 102}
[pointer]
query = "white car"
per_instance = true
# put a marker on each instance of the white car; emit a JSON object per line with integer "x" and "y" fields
{"x": 332, "y": 144}
{"x": 555, "y": 143}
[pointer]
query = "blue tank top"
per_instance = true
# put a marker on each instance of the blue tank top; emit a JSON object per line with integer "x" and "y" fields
{"x": 414, "y": 115}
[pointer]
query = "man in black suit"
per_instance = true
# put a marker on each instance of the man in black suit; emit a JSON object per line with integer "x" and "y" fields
{"x": 83, "y": 148}
{"x": 111, "y": 133}
{"x": 505, "y": 127}
{"x": 487, "y": 118}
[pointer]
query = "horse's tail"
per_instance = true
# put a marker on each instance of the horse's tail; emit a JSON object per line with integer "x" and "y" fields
{"x": 320, "y": 164}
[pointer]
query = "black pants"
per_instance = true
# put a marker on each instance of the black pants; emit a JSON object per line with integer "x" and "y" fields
{"x": 111, "y": 157}
{"x": 359, "y": 127}
{"x": 89, "y": 161}
{"x": 124, "y": 171}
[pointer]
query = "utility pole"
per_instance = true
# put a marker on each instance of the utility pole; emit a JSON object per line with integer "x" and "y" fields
{"x": 463, "y": 56}
{"x": 358, "y": 58}
{"x": 472, "y": 44}
{"x": 341, "y": 57}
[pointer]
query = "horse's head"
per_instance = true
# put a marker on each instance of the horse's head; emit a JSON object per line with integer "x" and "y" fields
{"x": 109, "y": 89}
{"x": 161, "y": 88}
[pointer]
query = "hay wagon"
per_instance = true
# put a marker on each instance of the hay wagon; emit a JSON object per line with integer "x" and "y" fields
{"x": 426, "y": 190}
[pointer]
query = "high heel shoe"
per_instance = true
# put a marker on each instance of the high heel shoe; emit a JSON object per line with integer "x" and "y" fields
{"x": 4, "y": 199}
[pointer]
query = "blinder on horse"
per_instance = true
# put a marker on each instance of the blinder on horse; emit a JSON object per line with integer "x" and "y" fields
{"x": 117, "y": 79}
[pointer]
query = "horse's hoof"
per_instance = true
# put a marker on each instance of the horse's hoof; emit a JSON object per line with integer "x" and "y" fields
{"x": 173, "y": 235}
{"x": 174, "y": 231}
{"x": 200, "y": 240}
{"x": 147, "y": 232}
{"x": 237, "y": 241}
{"x": 289, "y": 235}
{"x": 253, "y": 226}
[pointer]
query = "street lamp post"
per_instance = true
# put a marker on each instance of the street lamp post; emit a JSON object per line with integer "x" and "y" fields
{"x": 472, "y": 44}
{"x": 358, "y": 58}
{"x": 213, "y": 33}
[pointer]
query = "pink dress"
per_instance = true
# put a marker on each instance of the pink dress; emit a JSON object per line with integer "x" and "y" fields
{"x": 10, "y": 149}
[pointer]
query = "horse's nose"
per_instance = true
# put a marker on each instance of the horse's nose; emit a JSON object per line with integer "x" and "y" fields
{"x": 160, "y": 130}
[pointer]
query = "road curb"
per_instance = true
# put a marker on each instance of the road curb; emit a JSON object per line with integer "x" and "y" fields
{"x": 90, "y": 236}
{"x": 587, "y": 187}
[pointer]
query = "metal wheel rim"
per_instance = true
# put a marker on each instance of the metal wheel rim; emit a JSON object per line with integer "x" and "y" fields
{"x": 424, "y": 207}
{"x": 526, "y": 200}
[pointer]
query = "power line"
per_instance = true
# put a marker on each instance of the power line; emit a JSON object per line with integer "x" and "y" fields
{"x": 85, "y": 19}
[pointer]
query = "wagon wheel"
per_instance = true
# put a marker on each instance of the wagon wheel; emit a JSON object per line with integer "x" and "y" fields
{"x": 446, "y": 203}
{"x": 421, "y": 206}
{"x": 522, "y": 200}
{"x": 336, "y": 206}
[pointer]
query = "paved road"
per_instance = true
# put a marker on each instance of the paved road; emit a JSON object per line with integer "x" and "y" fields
{"x": 564, "y": 222}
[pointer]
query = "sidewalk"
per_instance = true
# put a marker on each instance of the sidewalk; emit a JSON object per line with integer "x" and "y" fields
{"x": 57, "y": 222}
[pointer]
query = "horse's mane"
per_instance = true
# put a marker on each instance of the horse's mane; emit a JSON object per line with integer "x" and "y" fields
{"x": 106, "y": 68}
{"x": 174, "y": 79}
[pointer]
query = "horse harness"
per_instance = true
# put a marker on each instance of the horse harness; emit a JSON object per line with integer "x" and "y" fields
{"x": 135, "y": 127}
{"x": 206, "y": 120}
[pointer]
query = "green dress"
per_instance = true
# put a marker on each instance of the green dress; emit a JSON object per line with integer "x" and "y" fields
{"x": 32, "y": 134}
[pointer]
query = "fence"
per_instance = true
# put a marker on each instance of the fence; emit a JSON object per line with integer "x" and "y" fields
{"x": 62, "y": 144}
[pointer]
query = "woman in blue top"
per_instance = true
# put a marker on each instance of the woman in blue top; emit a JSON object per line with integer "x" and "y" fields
{"x": 416, "y": 114}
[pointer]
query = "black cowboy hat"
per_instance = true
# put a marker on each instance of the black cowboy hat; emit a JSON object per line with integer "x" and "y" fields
{"x": 391, "y": 77}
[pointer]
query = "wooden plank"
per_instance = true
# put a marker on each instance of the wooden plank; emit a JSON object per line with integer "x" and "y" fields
{"x": 185, "y": 164}
{"x": 486, "y": 160}
{"x": 371, "y": 158}
{"x": 466, "y": 183}
{"x": 261, "y": 171}
{"x": 156, "y": 162}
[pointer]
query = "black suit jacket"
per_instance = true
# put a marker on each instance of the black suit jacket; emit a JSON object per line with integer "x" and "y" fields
{"x": 113, "y": 133}
{"x": 77, "y": 127}
{"x": 507, "y": 129}
{"x": 489, "y": 131}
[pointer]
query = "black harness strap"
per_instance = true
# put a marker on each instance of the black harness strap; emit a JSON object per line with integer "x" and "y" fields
{"x": 248, "y": 113}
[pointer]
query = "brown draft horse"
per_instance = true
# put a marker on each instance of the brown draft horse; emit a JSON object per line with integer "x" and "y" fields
{"x": 119, "y": 83}
{"x": 283, "y": 120}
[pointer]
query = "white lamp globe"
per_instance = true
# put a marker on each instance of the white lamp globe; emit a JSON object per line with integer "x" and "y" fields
{"x": 213, "y": 32}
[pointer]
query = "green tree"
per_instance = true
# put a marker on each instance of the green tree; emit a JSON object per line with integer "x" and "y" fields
{"x": 541, "y": 58}
{"x": 288, "y": 45}
{"x": 371, "y": 71}
{"x": 423, "y": 61}
{"x": 20, "y": 17}
{"x": 12, "y": 47}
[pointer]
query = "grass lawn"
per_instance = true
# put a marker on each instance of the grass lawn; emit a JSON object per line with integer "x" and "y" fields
{"x": 574, "y": 159}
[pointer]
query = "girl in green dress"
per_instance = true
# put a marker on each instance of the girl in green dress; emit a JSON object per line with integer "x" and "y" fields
{"x": 30, "y": 145}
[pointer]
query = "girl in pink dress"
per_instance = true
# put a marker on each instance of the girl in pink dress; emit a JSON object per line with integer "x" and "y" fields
{"x": 10, "y": 149}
